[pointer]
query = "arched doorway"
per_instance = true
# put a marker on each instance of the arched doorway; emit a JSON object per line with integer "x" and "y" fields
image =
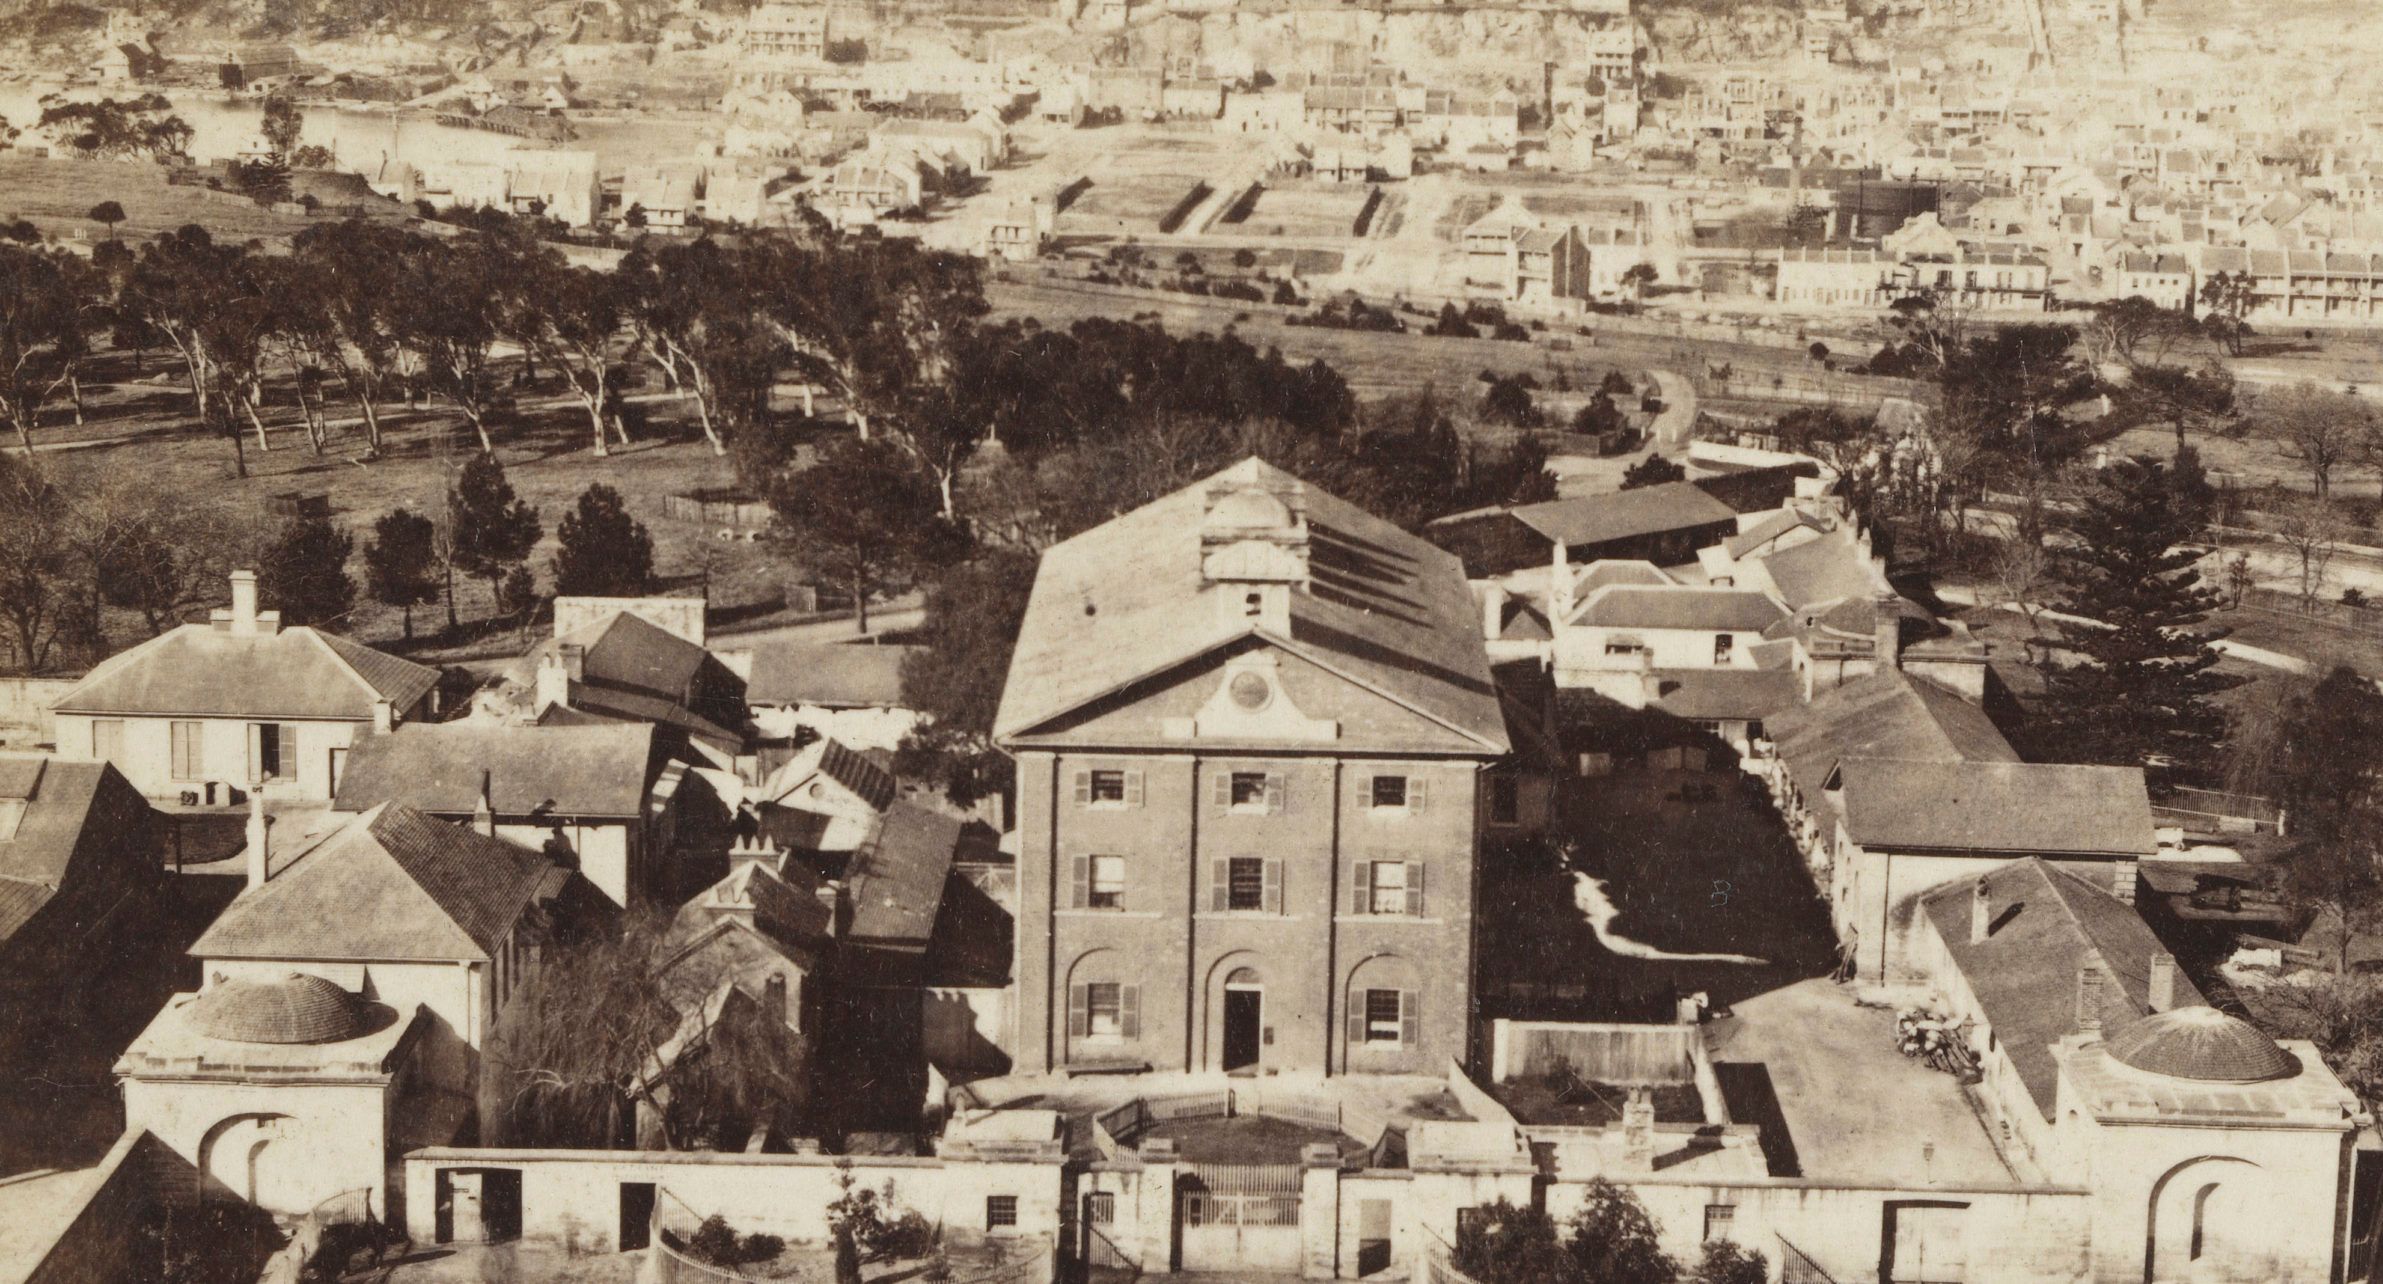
{"x": 2202, "y": 1220}
{"x": 238, "y": 1160}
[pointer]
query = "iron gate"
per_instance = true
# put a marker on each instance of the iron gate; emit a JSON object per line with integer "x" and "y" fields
{"x": 1239, "y": 1217}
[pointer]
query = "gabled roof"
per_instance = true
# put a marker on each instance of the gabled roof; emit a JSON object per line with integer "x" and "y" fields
{"x": 838, "y": 675}
{"x": 1771, "y": 527}
{"x": 2045, "y": 926}
{"x": 897, "y": 880}
{"x": 394, "y": 884}
{"x": 1125, "y": 601}
{"x": 1822, "y": 570}
{"x": 1634, "y": 606}
{"x": 1648, "y": 510}
{"x": 602, "y": 769}
{"x": 782, "y": 918}
{"x": 597, "y": 706}
{"x": 864, "y": 776}
{"x": 46, "y": 806}
{"x": 2050, "y": 809}
{"x": 628, "y": 651}
{"x": 205, "y": 671}
{"x": 1888, "y": 714}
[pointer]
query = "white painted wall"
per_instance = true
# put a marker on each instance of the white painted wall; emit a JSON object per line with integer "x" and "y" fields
{"x": 859, "y": 728}
{"x": 147, "y": 754}
{"x": 316, "y": 1140}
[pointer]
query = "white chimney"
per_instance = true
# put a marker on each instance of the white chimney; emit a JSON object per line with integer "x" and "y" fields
{"x": 1493, "y": 609}
{"x": 2123, "y": 876}
{"x": 2163, "y": 981}
{"x": 1981, "y": 913}
{"x": 554, "y": 683}
{"x": 2089, "y": 1000}
{"x": 244, "y": 603}
{"x": 258, "y": 870}
{"x": 384, "y": 716}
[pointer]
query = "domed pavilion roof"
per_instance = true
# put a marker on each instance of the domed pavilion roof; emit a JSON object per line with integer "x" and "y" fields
{"x": 295, "y": 1008}
{"x": 2200, "y": 1043}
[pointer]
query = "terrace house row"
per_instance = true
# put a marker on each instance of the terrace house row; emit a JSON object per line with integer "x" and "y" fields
{"x": 1259, "y": 743}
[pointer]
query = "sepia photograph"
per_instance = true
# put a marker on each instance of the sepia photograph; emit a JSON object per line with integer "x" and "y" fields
{"x": 1060, "y": 641}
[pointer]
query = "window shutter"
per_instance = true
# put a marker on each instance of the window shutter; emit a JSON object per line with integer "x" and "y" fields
{"x": 1277, "y": 791}
{"x": 1415, "y": 888}
{"x": 1083, "y": 789}
{"x": 1274, "y": 887}
{"x": 1356, "y": 1018}
{"x": 1361, "y": 888}
{"x": 1220, "y": 884}
{"x": 1414, "y": 793}
{"x": 1410, "y": 1019}
{"x": 1133, "y": 789}
{"x": 288, "y": 732}
{"x": 1083, "y": 883}
{"x": 256, "y": 750}
{"x": 1129, "y": 1011}
{"x": 1220, "y": 789}
{"x": 1079, "y": 1011}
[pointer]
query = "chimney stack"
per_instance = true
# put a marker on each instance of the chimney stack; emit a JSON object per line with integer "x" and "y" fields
{"x": 554, "y": 683}
{"x": 244, "y": 603}
{"x": 483, "y": 811}
{"x": 1887, "y": 632}
{"x": 2089, "y": 1000}
{"x": 1981, "y": 913}
{"x": 384, "y": 716}
{"x": 2122, "y": 881}
{"x": 1493, "y": 610}
{"x": 1638, "y": 1131}
{"x": 574, "y": 657}
{"x": 2163, "y": 981}
{"x": 258, "y": 871}
{"x": 1559, "y": 587}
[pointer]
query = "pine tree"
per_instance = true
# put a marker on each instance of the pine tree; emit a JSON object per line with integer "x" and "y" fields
{"x": 303, "y": 573}
{"x": 2142, "y": 669}
{"x": 606, "y": 552}
{"x": 863, "y": 518}
{"x": 493, "y": 531}
{"x": 400, "y": 563}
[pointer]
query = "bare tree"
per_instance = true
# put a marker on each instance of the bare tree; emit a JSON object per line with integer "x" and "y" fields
{"x": 2320, "y": 429}
{"x": 2024, "y": 570}
{"x": 2309, "y": 530}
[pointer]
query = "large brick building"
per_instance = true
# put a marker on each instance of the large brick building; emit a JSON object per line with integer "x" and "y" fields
{"x": 1258, "y": 742}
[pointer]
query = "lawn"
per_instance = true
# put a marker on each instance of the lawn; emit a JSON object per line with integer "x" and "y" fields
{"x": 58, "y": 195}
{"x": 144, "y": 427}
{"x": 1137, "y": 202}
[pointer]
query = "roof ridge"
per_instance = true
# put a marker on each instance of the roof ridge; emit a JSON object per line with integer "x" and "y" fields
{"x": 346, "y": 665}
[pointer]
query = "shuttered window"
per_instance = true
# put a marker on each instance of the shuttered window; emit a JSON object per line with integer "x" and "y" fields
{"x": 1386, "y": 1018}
{"x": 107, "y": 739}
{"x": 1108, "y": 787}
{"x": 272, "y": 750}
{"x": 1248, "y": 791}
{"x": 190, "y": 756}
{"x": 1104, "y": 1010}
{"x": 1387, "y": 887}
{"x": 1246, "y": 884}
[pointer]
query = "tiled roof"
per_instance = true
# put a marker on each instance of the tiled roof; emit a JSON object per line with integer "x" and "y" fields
{"x": 292, "y": 673}
{"x": 1726, "y": 693}
{"x": 2047, "y": 925}
{"x": 2048, "y": 809}
{"x": 595, "y": 706}
{"x": 1885, "y": 715}
{"x": 788, "y": 921}
{"x": 1125, "y": 601}
{"x": 836, "y": 675}
{"x": 393, "y": 885}
{"x": 1647, "y": 510}
{"x": 57, "y": 801}
{"x": 897, "y": 881}
{"x": 2200, "y": 1043}
{"x": 297, "y": 1008}
{"x": 628, "y": 651}
{"x": 1633, "y": 606}
{"x": 596, "y": 770}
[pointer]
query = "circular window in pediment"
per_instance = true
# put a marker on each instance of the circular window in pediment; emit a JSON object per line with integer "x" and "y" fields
{"x": 1251, "y": 691}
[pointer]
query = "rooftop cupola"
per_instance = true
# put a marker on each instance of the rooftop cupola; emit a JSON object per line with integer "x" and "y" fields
{"x": 1254, "y": 547}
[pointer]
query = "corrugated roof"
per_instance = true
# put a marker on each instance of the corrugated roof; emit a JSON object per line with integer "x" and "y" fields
{"x": 2051, "y": 809}
{"x": 1648, "y": 510}
{"x": 293, "y": 673}
{"x": 1125, "y": 601}
{"x": 596, "y": 770}
{"x": 2046, "y": 926}
{"x": 835, "y": 675}
{"x": 393, "y": 885}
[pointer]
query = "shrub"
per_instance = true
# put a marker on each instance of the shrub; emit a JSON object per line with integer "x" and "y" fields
{"x": 713, "y": 1242}
{"x": 1728, "y": 1263}
{"x": 909, "y": 1236}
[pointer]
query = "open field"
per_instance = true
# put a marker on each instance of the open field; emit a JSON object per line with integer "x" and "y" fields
{"x": 1303, "y": 210}
{"x": 58, "y": 195}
